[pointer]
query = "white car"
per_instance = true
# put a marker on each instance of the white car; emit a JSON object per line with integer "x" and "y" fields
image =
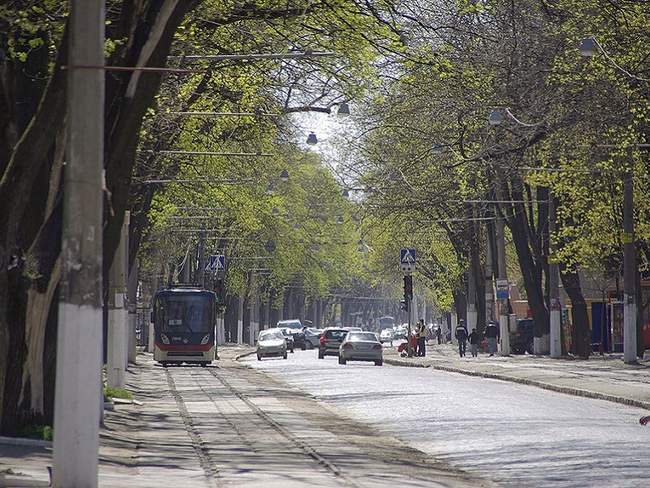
{"x": 271, "y": 343}
{"x": 386, "y": 335}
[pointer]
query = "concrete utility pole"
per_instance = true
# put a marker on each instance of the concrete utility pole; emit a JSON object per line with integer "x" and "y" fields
{"x": 131, "y": 274}
{"x": 629, "y": 272}
{"x": 554, "y": 286}
{"x": 201, "y": 271}
{"x": 502, "y": 278}
{"x": 78, "y": 394}
{"x": 472, "y": 312}
{"x": 489, "y": 272}
{"x": 240, "y": 319}
{"x": 118, "y": 333}
{"x": 187, "y": 276}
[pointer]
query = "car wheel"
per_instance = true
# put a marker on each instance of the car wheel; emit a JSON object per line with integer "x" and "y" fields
{"x": 379, "y": 363}
{"x": 341, "y": 360}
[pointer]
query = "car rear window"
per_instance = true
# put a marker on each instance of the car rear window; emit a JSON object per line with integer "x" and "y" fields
{"x": 337, "y": 335}
{"x": 362, "y": 336}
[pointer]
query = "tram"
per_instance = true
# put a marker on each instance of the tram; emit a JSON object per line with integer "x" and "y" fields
{"x": 184, "y": 326}
{"x": 386, "y": 322}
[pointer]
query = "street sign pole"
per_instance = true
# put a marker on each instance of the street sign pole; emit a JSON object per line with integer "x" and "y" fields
{"x": 407, "y": 259}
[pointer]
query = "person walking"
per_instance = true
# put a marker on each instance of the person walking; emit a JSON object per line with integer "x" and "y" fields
{"x": 461, "y": 336}
{"x": 439, "y": 334}
{"x": 422, "y": 338}
{"x": 474, "y": 341}
{"x": 492, "y": 333}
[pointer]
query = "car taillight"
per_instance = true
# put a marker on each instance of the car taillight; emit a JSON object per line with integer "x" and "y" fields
{"x": 347, "y": 345}
{"x": 322, "y": 340}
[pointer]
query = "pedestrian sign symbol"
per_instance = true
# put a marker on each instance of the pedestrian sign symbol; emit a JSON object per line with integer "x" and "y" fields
{"x": 407, "y": 259}
{"x": 216, "y": 262}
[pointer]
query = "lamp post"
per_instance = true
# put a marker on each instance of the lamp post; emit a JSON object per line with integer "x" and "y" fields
{"x": 589, "y": 48}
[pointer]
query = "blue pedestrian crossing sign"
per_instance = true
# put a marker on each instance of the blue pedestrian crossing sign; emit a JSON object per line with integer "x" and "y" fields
{"x": 407, "y": 259}
{"x": 216, "y": 262}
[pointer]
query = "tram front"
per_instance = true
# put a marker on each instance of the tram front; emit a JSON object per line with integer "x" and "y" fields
{"x": 184, "y": 326}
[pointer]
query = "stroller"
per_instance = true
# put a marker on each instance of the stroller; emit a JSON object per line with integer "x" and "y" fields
{"x": 402, "y": 348}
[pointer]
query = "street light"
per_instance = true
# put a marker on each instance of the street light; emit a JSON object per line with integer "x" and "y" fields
{"x": 496, "y": 117}
{"x": 312, "y": 140}
{"x": 344, "y": 110}
{"x": 588, "y": 47}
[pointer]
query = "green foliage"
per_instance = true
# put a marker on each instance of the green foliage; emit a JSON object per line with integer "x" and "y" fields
{"x": 110, "y": 392}
{"x": 41, "y": 432}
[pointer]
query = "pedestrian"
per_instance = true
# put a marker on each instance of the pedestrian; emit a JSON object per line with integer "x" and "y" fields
{"x": 421, "y": 332}
{"x": 439, "y": 334}
{"x": 474, "y": 341}
{"x": 492, "y": 333}
{"x": 461, "y": 336}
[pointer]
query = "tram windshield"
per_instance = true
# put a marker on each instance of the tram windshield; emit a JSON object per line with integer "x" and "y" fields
{"x": 185, "y": 314}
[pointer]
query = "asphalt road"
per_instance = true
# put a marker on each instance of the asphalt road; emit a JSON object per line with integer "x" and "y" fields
{"x": 513, "y": 434}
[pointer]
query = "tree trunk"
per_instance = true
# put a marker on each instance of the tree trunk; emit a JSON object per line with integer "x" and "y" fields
{"x": 581, "y": 333}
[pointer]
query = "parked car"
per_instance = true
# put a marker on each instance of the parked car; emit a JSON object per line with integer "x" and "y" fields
{"x": 312, "y": 337}
{"x": 271, "y": 343}
{"x": 330, "y": 341}
{"x": 400, "y": 334}
{"x": 288, "y": 337}
{"x": 521, "y": 339}
{"x": 361, "y": 346}
{"x": 386, "y": 335}
{"x": 294, "y": 328}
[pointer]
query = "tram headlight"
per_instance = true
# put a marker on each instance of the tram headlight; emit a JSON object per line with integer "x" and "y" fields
{"x": 164, "y": 339}
{"x": 205, "y": 339}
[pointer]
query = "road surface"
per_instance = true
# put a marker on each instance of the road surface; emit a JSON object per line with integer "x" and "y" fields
{"x": 513, "y": 434}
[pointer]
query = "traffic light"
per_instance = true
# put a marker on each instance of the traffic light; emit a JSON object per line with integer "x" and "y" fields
{"x": 408, "y": 287}
{"x": 404, "y": 305}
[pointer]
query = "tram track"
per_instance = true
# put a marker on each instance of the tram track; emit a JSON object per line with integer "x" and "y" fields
{"x": 308, "y": 450}
{"x": 210, "y": 469}
{"x": 208, "y": 464}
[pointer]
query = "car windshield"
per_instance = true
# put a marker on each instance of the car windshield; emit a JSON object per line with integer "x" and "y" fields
{"x": 185, "y": 314}
{"x": 337, "y": 335}
{"x": 290, "y": 324}
{"x": 271, "y": 335}
{"x": 362, "y": 336}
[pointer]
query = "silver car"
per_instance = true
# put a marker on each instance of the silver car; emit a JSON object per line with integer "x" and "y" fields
{"x": 271, "y": 343}
{"x": 361, "y": 346}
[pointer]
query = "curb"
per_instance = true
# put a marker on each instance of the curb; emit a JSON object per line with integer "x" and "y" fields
{"x": 24, "y": 441}
{"x": 245, "y": 354}
{"x": 523, "y": 381}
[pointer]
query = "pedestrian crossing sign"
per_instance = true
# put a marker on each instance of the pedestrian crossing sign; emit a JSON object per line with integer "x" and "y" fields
{"x": 407, "y": 259}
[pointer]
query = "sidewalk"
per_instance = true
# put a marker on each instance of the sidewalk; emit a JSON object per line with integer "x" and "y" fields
{"x": 604, "y": 377}
{"x": 229, "y": 425}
